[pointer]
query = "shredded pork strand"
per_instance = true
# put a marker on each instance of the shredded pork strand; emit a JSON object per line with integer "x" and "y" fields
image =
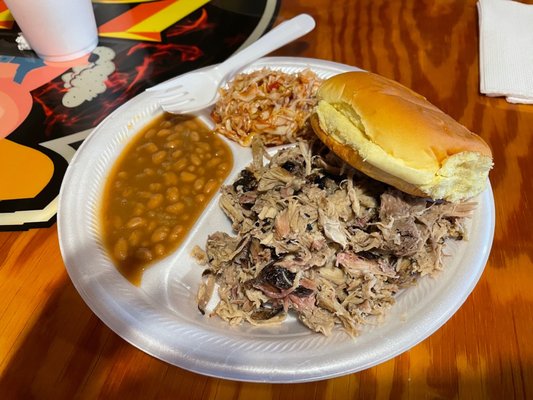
{"x": 333, "y": 249}
{"x": 273, "y": 104}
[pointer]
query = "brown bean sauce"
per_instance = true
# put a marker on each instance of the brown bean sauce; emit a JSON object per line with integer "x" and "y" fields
{"x": 158, "y": 188}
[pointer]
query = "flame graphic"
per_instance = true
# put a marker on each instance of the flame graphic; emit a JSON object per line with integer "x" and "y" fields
{"x": 200, "y": 24}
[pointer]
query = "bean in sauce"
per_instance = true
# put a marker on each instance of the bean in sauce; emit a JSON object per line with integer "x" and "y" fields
{"x": 158, "y": 188}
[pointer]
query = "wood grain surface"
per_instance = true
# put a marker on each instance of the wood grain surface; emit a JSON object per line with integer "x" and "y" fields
{"x": 53, "y": 347}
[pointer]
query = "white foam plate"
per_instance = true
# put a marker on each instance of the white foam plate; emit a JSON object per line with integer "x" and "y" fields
{"x": 160, "y": 316}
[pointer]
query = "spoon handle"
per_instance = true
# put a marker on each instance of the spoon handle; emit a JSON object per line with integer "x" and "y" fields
{"x": 279, "y": 36}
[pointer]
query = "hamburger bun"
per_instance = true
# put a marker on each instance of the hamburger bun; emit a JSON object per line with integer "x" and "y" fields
{"x": 396, "y": 136}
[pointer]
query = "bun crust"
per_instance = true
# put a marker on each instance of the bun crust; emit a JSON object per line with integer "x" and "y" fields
{"x": 396, "y": 136}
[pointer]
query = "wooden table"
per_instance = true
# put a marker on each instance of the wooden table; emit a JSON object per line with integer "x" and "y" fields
{"x": 53, "y": 346}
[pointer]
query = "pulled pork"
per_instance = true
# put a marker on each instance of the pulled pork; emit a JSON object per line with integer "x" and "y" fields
{"x": 317, "y": 238}
{"x": 272, "y": 104}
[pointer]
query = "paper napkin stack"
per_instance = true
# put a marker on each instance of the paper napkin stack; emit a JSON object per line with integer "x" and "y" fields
{"x": 506, "y": 50}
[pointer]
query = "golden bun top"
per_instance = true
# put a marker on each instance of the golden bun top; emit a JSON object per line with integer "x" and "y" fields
{"x": 395, "y": 135}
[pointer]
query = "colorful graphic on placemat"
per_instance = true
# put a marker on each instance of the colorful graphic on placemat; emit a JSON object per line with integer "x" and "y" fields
{"x": 48, "y": 109}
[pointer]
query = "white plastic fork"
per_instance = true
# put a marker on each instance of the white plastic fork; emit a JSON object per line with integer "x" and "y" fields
{"x": 197, "y": 90}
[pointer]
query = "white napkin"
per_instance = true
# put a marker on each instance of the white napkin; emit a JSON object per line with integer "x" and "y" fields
{"x": 506, "y": 50}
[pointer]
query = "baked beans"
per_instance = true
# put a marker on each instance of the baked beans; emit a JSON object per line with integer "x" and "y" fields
{"x": 158, "y": 188}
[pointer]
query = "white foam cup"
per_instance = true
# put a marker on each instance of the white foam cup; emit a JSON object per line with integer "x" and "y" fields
{"x": 57, "y": 30}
